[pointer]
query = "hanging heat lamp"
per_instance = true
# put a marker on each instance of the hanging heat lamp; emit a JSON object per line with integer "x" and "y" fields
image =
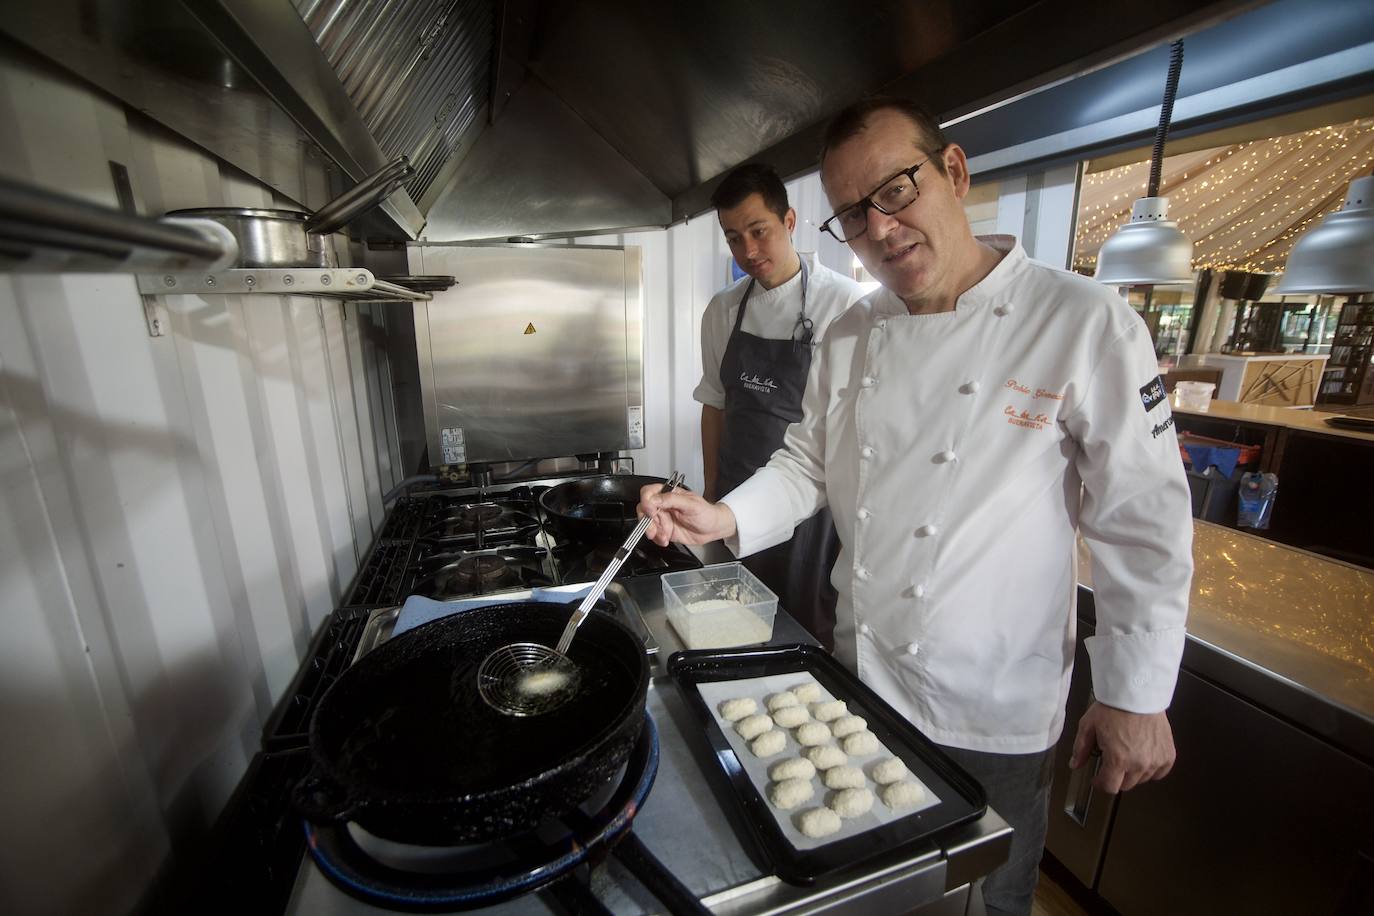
{"x": 1338, "y": 255}
{"x": 1150, "y": 249}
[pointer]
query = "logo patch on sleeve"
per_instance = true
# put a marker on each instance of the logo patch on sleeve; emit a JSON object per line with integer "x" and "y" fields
{"x": 1152, "y": 393}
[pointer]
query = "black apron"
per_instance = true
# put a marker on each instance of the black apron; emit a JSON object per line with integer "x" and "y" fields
{"x": 764, "y": 381}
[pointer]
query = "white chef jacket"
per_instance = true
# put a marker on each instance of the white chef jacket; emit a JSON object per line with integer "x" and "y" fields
{"x": 959, "y": 453}
{"x": 772, "y": 315}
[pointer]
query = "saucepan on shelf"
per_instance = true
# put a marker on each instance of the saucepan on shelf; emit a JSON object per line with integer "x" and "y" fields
{"x": 269, "y": 239}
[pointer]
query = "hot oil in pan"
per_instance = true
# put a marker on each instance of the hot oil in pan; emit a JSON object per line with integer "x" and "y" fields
{"x": 605, "y": 511}
{"x": 452, "y": 742}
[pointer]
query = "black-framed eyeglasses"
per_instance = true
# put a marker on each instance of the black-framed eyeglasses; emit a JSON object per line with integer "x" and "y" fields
{"x": 892, "y": 196}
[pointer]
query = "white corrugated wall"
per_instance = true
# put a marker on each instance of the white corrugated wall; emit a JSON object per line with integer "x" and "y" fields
{"x": 177, "y": 514}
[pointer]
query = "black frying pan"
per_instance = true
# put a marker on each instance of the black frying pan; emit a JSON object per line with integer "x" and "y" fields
{"x": 403, "y": 745}
{"x": 595, "y": 508}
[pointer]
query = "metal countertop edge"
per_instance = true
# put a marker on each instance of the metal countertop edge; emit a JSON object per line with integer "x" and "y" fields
{"x": 1307, "y": 709}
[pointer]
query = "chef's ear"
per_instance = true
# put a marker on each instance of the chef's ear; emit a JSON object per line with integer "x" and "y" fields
{"x": 956, "y": 167}
{"x": 789, "y": 220}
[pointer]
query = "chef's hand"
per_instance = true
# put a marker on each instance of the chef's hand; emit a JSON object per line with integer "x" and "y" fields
{"x": 1136, "y": 747}
{"x": 684, "y": 517}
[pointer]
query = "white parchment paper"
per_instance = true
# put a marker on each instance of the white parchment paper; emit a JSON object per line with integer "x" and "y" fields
{"x": 717, "y": 692}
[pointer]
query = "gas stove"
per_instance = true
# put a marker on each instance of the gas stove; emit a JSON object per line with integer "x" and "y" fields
{"x": 462, "y": 543}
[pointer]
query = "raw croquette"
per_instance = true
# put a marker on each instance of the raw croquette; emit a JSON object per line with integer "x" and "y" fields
{"x": 813, "y": 733}
{"x": 826, "y": 756}
{"x": 791, "y": 792}
{"x": 781, "y": 700}
{"x": 738, "y": 708}
{"x": 890, "y": 770}
{"x": 795, "y": 768}
{"x": 859, "y": 744}
{"x": 903, "y": 794}
{"x": 829, "y": 710}
{"x": 809, "y": 692}
{"x": 844, "y": 777}
{"x": 852, "y": 802}
{"x": 819, "y": 822}
{"x": 791, "y": 716}
{"x": 751, "y": 727}
{"x": 848, "y": 725}
{"x": 768, "y": 744}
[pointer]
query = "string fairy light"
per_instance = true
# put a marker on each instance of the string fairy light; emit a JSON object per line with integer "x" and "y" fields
{"x": 1244, "y": 205}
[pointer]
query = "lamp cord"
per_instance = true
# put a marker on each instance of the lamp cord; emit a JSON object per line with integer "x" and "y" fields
{"x": 1166, "y": 112}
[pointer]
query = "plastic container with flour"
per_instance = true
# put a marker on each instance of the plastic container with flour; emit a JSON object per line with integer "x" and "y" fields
{"x": 719, "y": 606}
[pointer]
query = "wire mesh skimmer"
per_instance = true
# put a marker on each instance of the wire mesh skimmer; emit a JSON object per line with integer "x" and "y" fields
{"x": 527, "y": 678}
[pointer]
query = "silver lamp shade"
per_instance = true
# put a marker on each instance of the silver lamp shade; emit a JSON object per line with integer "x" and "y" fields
{"x": 1148, "y": 250}
{"x": 1338, "y": 255}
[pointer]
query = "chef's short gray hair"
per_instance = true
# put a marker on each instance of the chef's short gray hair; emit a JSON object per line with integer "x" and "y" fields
{"x": 853, "y": 120}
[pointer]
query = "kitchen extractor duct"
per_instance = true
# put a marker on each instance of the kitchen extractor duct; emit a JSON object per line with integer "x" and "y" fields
{"x": 418, "y": 72}
{"x": 541, "y": 171}
{"x": 681, "y": 93}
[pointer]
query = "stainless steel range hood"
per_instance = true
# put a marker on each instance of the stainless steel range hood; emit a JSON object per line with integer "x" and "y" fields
{"x": 554, "y": 118}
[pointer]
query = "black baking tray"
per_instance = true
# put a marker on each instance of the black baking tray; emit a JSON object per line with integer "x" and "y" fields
{"x": 962, "y": 798}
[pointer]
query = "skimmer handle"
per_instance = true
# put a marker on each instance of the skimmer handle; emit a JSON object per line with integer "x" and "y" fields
{"x": 612, "y": 568}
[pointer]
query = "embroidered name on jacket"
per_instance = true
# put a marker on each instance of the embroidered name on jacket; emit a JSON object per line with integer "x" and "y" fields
{"x": 1025, "y": 418}
{"x": 754, "y": 383}
{"x": 1152, "y": 393}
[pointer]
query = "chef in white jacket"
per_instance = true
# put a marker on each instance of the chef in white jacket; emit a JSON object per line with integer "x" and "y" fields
{"x": 963, "y": 424}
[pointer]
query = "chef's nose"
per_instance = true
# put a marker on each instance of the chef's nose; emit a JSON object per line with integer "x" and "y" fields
{"x": 879, "y": 223}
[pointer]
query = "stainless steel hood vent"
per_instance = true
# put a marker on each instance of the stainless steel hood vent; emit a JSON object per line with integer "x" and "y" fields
{"x": 418, "y": 71}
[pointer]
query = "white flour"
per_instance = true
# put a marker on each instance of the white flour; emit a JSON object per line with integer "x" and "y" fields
{"x": 720, "y": 622}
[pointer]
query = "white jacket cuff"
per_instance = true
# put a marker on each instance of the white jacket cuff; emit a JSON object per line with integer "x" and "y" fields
{"x": 762, "y": 518}
{"x": 1136, "y": 671}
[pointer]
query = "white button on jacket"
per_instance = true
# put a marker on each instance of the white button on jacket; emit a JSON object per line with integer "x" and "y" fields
{"x": 1062, "y": 405}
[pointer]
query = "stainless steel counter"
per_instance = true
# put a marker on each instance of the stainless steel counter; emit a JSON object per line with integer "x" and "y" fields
{"x": 690, "y": 823}
{"x": 1288, "y": 629}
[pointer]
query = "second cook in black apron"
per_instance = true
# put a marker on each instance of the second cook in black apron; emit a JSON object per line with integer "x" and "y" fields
{"x": 764, "y": 381}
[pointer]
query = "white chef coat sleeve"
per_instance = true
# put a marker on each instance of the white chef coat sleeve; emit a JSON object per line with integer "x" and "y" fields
{"x": 790, "y": 488}
{"x": 715, "y": 334}
{"x": 1136, "y": 518}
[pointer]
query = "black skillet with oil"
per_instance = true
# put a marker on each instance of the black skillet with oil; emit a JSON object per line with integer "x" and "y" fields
{"x": 404, "y": 745}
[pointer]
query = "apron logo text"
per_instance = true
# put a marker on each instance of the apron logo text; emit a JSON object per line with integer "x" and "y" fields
{"x": 754, "y": 383}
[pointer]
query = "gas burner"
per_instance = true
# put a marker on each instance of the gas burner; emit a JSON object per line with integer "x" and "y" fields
{"x": 461, "y": 573}
{"x": 579, "y": 562}
{"x": 482, "y": 523}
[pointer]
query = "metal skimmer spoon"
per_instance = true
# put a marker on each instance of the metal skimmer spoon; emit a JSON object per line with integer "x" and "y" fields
{"x": 528, "y": 679}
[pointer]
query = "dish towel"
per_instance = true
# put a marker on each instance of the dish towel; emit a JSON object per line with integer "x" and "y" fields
{"x": 419, "y": 610}
{"x": 1208, "y": 456}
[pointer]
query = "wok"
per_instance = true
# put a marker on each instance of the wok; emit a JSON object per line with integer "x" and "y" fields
{"x": 403, "y": 745}
{"x": 596, "y": 508}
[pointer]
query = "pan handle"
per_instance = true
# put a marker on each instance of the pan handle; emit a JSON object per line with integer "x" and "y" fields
{"x": 363, "y": 196}
{"x": 662, "y": 883}
{"x": 322, "y": 801}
